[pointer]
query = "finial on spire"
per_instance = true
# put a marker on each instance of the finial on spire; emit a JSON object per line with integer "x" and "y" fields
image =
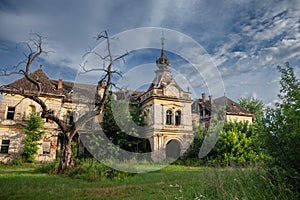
{"x": 162, "y": 43}
{"x": 162, "y": 40}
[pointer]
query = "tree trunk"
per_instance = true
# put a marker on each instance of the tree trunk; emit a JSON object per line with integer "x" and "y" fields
{"x": 66, "y": 156}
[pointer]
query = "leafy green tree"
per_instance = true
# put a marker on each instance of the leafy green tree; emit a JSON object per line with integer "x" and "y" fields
{"x": 113, "y": 128}
{"x": 281, "y": 132}
{"x": 33, "y": 134}
{"x": 255, "y": 106}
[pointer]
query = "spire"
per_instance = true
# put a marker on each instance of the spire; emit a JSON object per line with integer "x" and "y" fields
{"x": 162, "y": 44}
{"x": 163, "y": 61}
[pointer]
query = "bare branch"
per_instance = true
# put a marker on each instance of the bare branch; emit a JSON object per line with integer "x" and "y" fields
{"x": 102, "y": 34}
{"x": 121, "y": 57}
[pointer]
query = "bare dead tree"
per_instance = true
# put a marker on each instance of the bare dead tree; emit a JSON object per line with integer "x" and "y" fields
{"x": 67, "y": 132}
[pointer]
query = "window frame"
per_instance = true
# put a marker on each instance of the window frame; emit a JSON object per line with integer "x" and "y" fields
{"x": 178, "y": 117}
{"x": 11, "y": 111}
{"x": 4, "y": 148}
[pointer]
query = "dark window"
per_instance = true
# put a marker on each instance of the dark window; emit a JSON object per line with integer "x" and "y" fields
{"x": 178, "y": 117}
{"x": 4, "y": 146}
{"x": 169, "y": 116}
{"x": 10, "y": 113}
{"x": 70, "y": 118}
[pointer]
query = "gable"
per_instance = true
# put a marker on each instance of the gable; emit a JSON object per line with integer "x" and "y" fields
{"x": 172, "y": 91}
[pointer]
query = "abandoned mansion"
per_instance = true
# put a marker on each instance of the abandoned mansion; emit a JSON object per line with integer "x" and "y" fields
{"x": 169, "y": 113}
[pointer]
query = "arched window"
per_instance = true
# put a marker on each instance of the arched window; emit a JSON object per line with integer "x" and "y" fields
{"x": 178, "y": 117}
{"x": 169, "y": 116}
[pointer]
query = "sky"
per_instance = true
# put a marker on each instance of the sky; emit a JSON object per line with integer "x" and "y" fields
{"x": 240, "y": 42}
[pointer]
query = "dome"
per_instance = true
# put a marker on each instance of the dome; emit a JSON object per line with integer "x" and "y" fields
{"x": 163, "y": 59}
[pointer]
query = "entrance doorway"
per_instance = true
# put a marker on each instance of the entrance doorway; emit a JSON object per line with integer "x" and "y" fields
{"x": 173, "y": 149}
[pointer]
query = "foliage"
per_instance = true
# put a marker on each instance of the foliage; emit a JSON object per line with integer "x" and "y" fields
{"x": 33, "y": 135}
{"x": 235, "y": 145}
{"x": 281, "y": 132}
{"x": 255, "y": 106}
{"x": 115, "y": 125}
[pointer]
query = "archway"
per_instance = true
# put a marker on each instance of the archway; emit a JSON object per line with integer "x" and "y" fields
{"x": 173, "y": 149}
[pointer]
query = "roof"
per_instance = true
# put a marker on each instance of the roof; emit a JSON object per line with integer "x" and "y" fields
{"x": 67, "y": 91}
{"x": 233, "y": 108}
{"x": 49, "y": 87}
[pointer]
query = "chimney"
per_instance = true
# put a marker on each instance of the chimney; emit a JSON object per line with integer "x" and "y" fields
{"x": 59, "y": 83}
{"x": 203, "y": 97}
{"x": 211, "y": 101}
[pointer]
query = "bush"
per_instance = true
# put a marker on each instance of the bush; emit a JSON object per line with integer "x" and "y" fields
{"x": 93, "y": 170}
{"x": 33, "y": 134}
{"x": 235, "y": 146}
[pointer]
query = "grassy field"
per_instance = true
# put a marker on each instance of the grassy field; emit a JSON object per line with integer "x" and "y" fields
{"x": 173, "y": 182}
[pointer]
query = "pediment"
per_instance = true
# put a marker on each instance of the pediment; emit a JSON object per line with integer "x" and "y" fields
{"x": 172, "y": 90}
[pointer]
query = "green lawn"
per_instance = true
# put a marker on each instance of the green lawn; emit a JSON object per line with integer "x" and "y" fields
{"x": 173, "y": 182}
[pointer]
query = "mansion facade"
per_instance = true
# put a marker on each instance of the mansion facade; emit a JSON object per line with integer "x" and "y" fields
{"x": 170, "y": 114}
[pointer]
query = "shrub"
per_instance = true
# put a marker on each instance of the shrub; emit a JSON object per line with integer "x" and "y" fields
{"x": 93, "y": 170}
{"x": 33, "y": 134}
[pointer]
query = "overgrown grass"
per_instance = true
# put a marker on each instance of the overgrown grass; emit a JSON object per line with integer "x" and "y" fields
{"x": 169, "y": 183}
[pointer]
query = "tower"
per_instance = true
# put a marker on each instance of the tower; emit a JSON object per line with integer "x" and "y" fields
{"x": 167, "y": 110}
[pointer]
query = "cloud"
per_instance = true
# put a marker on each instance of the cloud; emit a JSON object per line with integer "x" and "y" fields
{"x": 245, "y": 39}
